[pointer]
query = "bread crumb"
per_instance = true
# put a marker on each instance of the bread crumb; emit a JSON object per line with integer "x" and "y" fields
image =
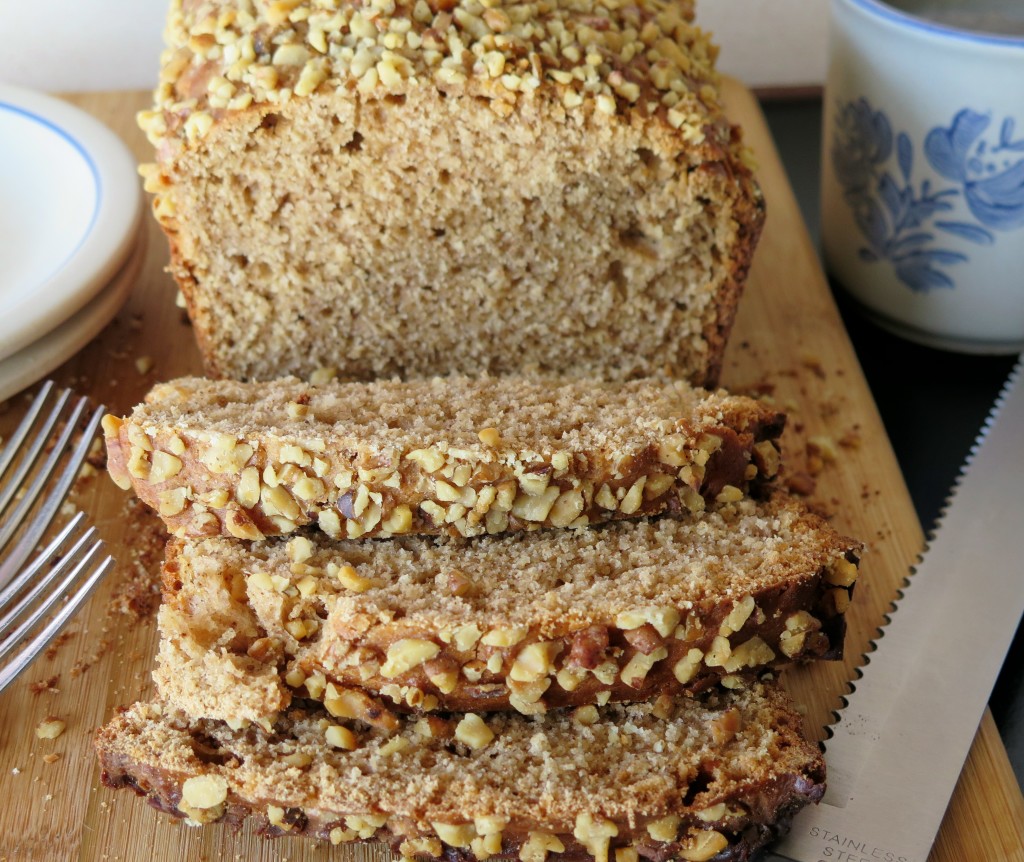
{"x": 50, "y": 683}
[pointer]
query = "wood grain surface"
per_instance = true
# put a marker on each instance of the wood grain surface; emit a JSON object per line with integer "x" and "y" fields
{"x": 788, "y": 342}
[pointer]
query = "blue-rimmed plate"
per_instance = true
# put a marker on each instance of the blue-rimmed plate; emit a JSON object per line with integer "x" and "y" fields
{"x": 34, "y": 362}
{"x": 70, "y": 206}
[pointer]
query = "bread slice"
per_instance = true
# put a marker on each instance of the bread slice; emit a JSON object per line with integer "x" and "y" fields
{"x": 678, "y": 779}
{"x": 463, "y": 456}
{"x": 526, "y": 621}
{"x": 418, "y": 188}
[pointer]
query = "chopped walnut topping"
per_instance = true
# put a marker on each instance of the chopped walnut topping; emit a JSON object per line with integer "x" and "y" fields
{"x": 538, "y": 845}
{"x": 204, "y": 791}
{"x": 474, "y": 732}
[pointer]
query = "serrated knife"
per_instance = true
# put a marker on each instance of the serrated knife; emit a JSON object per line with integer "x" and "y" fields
{"x": 903, "y": 736}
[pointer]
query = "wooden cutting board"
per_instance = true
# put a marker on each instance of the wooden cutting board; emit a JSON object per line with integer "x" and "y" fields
{"x": 789, "y": 342}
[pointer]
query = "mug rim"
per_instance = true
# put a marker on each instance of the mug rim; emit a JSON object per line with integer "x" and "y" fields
{"x": 906, "y": 19}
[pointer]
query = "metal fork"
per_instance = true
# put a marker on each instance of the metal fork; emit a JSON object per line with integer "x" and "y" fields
{"x": 37, "y": 468}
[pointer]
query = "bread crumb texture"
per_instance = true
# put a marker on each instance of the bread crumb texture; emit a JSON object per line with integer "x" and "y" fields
{"x": 422, "y": 188}
{"x": 525, "y": 621}
{"x": 665, "y": 777}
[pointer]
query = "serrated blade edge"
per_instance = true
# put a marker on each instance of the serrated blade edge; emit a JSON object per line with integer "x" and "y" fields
{"x": 897, "y": 751}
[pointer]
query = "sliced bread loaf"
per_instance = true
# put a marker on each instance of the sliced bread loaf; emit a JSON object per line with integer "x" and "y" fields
{"x": 678, "y": 779}
{"x": 462, "y": 456}
{"x": 419, "y": 187}
{"x": 525, "y": 620}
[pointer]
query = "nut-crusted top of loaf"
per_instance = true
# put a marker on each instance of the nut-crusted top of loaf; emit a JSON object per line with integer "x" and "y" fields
{"x": 644, "y": 57}
{"x": 458, "y": 455}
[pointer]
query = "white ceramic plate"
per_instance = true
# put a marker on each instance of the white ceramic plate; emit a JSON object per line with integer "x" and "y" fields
{"x": 70, "y": 206}
{"x": 38, "y": 359}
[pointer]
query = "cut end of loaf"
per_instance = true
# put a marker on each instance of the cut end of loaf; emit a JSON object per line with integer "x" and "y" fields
{"x": 423, "y": 233}
{"x": 416, "y": 188}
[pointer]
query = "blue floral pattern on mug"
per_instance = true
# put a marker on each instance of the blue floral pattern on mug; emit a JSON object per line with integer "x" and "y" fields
{"x": 903, "y": 223}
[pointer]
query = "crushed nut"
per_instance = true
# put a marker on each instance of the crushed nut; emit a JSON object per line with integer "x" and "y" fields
{"x": 535, "y": 661}
{"x": 713, "y": 813}
{"x": 504, "y": 637}
{"x": 474, "y": 732}
{"x": 666, "y": 829}
{"x": 595, "y": 833}
{"x": 538, "y": 845}
{"x": 429, "y": 459}
{"x": 366, "y": 825}
{"x": 399, "y": 520}
{"x": 341, "y": 737}
{"x": 569, "y": 678}
{"x": 842, "y": 573}
{"x": 686, "y": 668}
{"x": 719, "y": 653}
{"x": 664, "y": 619}
{"x": 729, "y": 494}
{"x": 424, "y": 845}
{"x": 349, "y": 578}
{"x": 393, "y": 746}
{"x": 50, "y": 727}
{"x": 405, "y": 654}
{"x": 490, "y": 437}
{"x": 298, "y": 759}
{"x": 455, "y": 834}
{"x": 535, "y": 508}
{"x": 163, "y": 466}
{"x": 738, "y": 617}
{"x": 204, "y": 791}
{"x": 703, "y": 845}
{"x": 798, "y": 626}
{"x": 634, "y": 497}
{"x": 340, "y": 836}
{"x": 636, "y": 670}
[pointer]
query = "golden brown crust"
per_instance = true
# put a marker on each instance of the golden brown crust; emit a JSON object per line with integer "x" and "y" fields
{"x": 456, "y": 456}
{"x": 528, "y": 621}
{"x": 650, "y": 777}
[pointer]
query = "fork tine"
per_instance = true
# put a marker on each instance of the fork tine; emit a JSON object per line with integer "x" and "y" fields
{"x": 37, "y": 585}
{"x": 31, "y": 453}
{"x": 85, "y": 564}
{"x": 44, "y": 517}
{"x": 36, "y": 449}
{"x": 21, "y": 432}
{"x": 53, "y": 627}
{"x": 52, "y": 551}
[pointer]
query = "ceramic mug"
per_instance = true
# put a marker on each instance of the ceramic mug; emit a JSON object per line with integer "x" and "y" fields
{"x": 923, "y": 168}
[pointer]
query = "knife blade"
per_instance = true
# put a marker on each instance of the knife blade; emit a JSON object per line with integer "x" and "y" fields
{"x": 899, "y": 746}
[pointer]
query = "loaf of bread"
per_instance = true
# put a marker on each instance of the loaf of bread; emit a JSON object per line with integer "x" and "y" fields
{"x": 677, "y": 779}
{"x": 525, "y": 621}
{"x": 463, "y": 456}
{"x": 418, "y": 187}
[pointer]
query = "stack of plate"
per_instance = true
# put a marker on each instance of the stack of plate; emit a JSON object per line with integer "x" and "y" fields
{"x": 70, "y": 210}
